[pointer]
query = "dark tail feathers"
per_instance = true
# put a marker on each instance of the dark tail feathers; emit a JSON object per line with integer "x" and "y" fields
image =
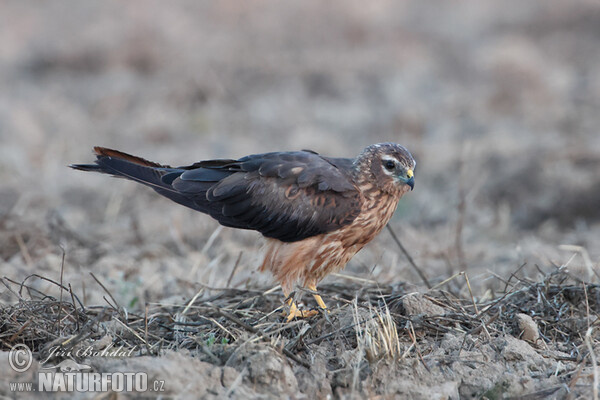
{"x": 125, "y": 165}
{"x": 158, "y": 177}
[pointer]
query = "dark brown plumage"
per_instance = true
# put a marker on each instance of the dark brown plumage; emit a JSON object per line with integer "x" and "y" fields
{"x": 315, "y": 211}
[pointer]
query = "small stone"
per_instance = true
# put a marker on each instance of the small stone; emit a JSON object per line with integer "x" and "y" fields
{"x": 417, "y": 304}
{"x": 528, "y": 328}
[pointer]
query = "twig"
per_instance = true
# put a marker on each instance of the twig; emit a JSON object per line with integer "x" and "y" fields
{"x": 44, "y": 295}
{"x": 413, "y": 337}
{"x": 300, "y": 336}
{"x": 330, "y": 334}
{"x": 354, "y": 278}
{"x": 442, "y": 283}
{"x": 62, "y": 269}
{"x": 192, "y": 301}
{"x": 24, "y": 251}
{"x": 249, "y": 328}
{"x": 461, "y": 209}
{"x": 408, "y": 256}
{"x": 211, "y": 239}
{"x": 587, "y": 261}
{"x": 514, "y": 275}
{"x": 214, "y": 321}
{"x": 86, "y": 329}
{"x": 21, "y": 329}
{"x": 116, "y": 305}
{"x": 588, "y": 343}
{"x": 134, "y": 333}
{"x": 471, "y": 292}
{"x": 74, "y": 308}
{"x": 273, "y": 289}
{"x": 18, "y": 295}
{"x": 587, "y": 305}
{"x": 236, "y": 383}
{"x": 146, "y": 330}
{"x": 235, "y": 267}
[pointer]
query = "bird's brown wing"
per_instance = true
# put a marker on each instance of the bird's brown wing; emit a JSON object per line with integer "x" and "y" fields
{"x": 287, "y": 196}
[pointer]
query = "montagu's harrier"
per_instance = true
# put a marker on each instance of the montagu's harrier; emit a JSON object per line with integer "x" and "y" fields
{"x": 315, "y": 211}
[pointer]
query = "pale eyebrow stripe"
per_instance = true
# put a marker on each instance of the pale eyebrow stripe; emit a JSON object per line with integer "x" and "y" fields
{"x": 390, "y": 158}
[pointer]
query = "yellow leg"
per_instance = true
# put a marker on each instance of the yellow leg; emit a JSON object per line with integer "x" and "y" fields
{"x": 296, "y": 313}
{"x": 318, "y": 298}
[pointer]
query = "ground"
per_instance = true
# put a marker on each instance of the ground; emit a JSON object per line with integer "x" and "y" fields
{"x": 498, "y": 102}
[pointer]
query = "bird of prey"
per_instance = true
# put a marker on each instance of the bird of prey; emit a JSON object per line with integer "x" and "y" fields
{"x": 315, "y": 211}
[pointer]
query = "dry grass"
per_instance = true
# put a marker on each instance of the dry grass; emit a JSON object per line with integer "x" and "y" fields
{"x": 376, "y": 325}
{"x": 217, "y": 320}
{"x": 376, "y": 333}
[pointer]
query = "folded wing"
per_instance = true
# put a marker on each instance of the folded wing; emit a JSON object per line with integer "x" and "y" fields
{"x": 287, "y": 196}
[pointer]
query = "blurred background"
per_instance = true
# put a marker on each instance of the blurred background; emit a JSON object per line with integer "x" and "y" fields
{"x": 498, "y": 102}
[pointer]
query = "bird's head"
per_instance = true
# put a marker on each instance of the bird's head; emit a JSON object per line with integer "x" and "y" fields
{"x": 389, "y": 165}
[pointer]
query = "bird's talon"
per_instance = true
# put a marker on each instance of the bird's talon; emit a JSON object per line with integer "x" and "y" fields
{"x": 296, "y": 313}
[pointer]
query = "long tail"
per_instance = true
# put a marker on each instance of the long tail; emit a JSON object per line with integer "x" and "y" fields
{"x": 157, "y": 176}
{"x": 125, "y": 165}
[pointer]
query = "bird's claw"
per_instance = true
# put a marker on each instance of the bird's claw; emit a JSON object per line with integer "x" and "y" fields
{"x": 301, "y": 314}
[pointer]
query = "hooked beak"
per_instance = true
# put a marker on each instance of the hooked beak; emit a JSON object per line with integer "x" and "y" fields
{"x": 411, "y": 179}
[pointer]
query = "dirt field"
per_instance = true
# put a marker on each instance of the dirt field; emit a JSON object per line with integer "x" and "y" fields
{"x": 498, "y": 102}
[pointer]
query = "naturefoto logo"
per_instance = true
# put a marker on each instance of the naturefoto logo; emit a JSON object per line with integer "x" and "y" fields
{"x": 71, "y": 376}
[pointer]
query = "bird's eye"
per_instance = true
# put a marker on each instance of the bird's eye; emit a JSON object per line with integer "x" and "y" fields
{"x": 389, "y": 165}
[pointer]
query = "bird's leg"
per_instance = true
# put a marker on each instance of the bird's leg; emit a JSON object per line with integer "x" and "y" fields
{"x": 296, "y": 313}
{"x": 317, "y": 297}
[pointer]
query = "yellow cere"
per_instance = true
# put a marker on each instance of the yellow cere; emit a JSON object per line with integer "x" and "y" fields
{"x": 409, "y": 173}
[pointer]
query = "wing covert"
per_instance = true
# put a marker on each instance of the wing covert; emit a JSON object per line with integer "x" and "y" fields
{"x": 287, "y": 196}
